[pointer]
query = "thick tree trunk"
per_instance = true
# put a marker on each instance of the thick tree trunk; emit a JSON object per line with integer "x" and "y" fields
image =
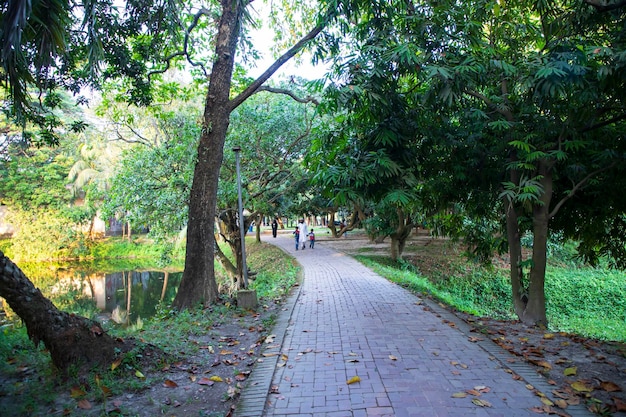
{"x": 70, "y": 339}
{"x": 518, "y": 292}
{"x": 529, "y": 301}
{"x": 400, "y": 235}
{"x": 198, "y": 283}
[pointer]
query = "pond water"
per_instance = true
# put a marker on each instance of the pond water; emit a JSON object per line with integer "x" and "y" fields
{"x": 126, "y": 296}
{"x": 123, "y": 297}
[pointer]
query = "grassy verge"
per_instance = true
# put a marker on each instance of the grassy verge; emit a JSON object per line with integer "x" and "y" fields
{"x": 590, "y": 302}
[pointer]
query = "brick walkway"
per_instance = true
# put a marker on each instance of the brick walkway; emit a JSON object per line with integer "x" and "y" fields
{"x": 410, "y": 354}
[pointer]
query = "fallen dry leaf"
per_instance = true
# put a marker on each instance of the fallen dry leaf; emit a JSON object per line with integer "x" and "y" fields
{"x": 609, "y": 386}
{"x": 481, "y": 403}
{"x": 570, "y": 371}
{"x": 580, "y": 386}
{"x": 77, "y": 392}
{"x": 168, "y": 383}
{"x": 84, "y": 405}
{"x": 459, "y": 395}
{"x": 561, "y": 404}
{"x": 116, "y": 363}
{"x": 205, "y": 381}
{"x": 619, "y": 404}
{"x": 353, "y": 380}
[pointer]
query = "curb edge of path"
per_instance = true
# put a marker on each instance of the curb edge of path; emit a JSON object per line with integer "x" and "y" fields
{"x": 253, "y": 397}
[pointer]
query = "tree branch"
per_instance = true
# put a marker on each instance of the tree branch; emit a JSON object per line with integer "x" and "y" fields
{"x": 578, "y": 187}
{"x": 256, "y": 84}
{"x": 307, "y": 99}
{"x": 185, "y": 52}
{"x": 504, "y": 112}
{"x": 606, "y": 122}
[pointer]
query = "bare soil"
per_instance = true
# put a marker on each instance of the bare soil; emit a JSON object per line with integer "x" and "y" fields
{"x": 206, "y": 380}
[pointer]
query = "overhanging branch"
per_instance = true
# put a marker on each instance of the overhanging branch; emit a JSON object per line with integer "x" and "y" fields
{"x": 307, "y": 99}
{"x": 577, "y": 187}
{"x": 185, "y": 52}
{"x": 256, "y": 84}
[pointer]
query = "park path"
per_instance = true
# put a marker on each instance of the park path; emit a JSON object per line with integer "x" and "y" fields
{"x": 412, "y": 356}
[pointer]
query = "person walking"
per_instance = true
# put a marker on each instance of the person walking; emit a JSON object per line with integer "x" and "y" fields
{"x": 274, "y": 227}
{"x": 304, "y": 231}
{"x": 312, "y": 239}
{"x": 296, "y": 234}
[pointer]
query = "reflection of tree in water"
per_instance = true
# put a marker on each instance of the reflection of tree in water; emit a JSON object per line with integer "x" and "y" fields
{"x": 134, "y": 294}
{"x": 116, "y": 295}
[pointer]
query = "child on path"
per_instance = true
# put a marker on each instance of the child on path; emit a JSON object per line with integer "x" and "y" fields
{"x": 296, "y": 234}
{"x": 312, "y": 239}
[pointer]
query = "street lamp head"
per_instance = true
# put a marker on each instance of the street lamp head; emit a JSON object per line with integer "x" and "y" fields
{"x": 236, "y": 148}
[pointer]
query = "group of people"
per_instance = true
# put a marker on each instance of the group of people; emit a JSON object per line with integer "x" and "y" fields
{"x": 302, "y": 234}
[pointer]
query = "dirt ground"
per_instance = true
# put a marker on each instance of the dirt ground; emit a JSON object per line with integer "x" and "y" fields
{"x": 207, "y": 381}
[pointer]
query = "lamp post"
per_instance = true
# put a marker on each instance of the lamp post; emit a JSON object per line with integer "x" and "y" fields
{"x": 242, "y": 225}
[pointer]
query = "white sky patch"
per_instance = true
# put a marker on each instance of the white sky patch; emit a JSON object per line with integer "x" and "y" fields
{"x": 263, "y": 39}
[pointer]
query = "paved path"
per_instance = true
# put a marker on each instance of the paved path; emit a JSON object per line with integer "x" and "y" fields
{"x": 410, "y": 354}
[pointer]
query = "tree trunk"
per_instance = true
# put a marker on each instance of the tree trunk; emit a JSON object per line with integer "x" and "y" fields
{"x": 70, "y": 339}
{"x": 258, "y": 228}
{"x": 198, "y": 282}
{"x": 535, "y": 312}
{"x": 518, "y": 292}
{"x": 198, "y": 285}
{"x": 400, "y": 235}
{"x": 228, "y": 266}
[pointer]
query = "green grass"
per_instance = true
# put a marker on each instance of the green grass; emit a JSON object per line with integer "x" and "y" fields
{"x": 276, "y": 273}
{"x": 586, "y": 301}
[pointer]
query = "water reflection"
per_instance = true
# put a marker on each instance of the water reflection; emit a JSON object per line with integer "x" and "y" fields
{"x": 126, "y": 296}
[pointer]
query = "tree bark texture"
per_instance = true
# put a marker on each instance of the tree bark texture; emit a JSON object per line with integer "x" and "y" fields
{"x": 70, "y": 339}
{"x": 400, "y": 235}
{"x": 198, "y": 285}
{"x": 535, "y": 312}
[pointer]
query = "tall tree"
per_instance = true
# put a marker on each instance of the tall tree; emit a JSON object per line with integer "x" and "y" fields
{"x": 534, "y": 88}
{"x": 198, "y": 282}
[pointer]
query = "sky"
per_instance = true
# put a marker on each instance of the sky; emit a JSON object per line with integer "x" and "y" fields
{"x": 263, "y": 39}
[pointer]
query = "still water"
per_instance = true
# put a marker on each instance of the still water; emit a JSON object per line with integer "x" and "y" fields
{"x": 126, "y": 296}
{"x": 123, "y": 297}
